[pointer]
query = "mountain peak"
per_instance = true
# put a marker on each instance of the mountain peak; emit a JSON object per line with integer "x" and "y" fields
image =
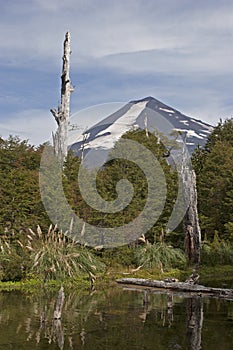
{"x": 148, "y": 98}
{"x": 147, "y": 113}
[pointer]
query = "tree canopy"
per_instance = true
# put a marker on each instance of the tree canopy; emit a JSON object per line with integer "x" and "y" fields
{"x": 214, "y": 169}
{"x": 21, "y": 205}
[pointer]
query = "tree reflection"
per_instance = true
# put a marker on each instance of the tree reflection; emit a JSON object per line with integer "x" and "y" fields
{"x": 194, "y": 321}
{"x": 170, "y": 308}
{"x": 114, "y": 319}
{"x": 59, "y": 333}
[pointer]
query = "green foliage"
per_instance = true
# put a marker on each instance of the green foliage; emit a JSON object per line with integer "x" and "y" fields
{"x": 217, "y": 252}
{"x": 11, "y": 268}
{"x": 20, "y": 193}
{"x": 159, "y": 255}
{"x": 229, "y": 230}
{"x": 214, "y": 169}
{"x": 50, "y": 255}
{"x": 222, "y": 133}
{"x": 107, "y": 179}
{"x": 55, "y": 256}
{"x": 19, "y": 185}
{"x": 122, "y": 256}
{"x": 13, "y": 263}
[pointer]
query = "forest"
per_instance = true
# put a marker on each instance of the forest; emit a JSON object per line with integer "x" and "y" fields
{"x": 33, "y": 248}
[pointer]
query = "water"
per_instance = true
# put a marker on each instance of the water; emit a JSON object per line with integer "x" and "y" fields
{"x": 115, "y": 319}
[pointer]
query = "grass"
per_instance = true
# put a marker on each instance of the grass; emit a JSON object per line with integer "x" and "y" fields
{"x": 211, "y": 276}
{"x": 50, "y": 256}
{"x": 57, "y": 257}
{"x": 160, "y": 255}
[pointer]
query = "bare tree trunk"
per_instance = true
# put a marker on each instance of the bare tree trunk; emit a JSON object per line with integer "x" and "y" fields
{"x": 63, "y": 113}
{"x": 191, "y": 225}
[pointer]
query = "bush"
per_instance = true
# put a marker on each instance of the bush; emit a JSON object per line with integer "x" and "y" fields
{"x": 12, "y": 269}
{"x": 123, "y": 256}
{"x": 216, "y": 252}
{"x": 160, "y": 255}
{"x": 229, "y": 230}
{"x": 50, "y": 255}
{"x": 13, "y": 265}
{"x": 55, "y": 256}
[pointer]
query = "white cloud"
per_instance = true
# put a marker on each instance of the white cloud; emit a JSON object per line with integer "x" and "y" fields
{"x": 35, "y": 125}
{"x": 139, "y": 38}
{"x": 169, "y": 61}
{"x": 102, "y": 29}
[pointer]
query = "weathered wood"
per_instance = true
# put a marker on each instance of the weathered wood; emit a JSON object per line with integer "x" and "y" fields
{"x": 59, "y": 304}
{"x": 63, "y": 113}
{"x": 179, "y": 286}
{"x": 191, "y": 225}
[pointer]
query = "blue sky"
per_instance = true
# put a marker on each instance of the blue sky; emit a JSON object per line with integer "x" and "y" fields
{"x": 179, "y": 52}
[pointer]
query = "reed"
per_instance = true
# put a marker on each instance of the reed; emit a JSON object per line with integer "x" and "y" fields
{"x": 55, "y": 256}
{"x": 159, "y": 255}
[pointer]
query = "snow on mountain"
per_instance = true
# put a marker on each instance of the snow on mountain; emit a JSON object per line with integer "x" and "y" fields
{"x": 107, "y": 137}
{"x": 147, "y": 113}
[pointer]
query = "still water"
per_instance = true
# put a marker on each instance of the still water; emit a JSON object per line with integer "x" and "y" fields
{"x": 115, "y": 319}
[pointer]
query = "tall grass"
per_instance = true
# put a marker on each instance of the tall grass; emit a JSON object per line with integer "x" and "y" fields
{"x": 159, "y": 255}
{"x": 55, "y": 256}
{"x": 49, "y": 255}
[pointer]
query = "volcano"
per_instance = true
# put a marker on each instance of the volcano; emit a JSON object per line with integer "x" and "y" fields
{"x": 146, "y": 114}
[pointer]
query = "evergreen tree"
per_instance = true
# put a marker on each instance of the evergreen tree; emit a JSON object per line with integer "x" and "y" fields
{"x": 108, "y": 177}
{"x": 214, "y": 169}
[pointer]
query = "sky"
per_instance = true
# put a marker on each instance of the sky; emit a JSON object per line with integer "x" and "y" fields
{"x": 178, "y": 51}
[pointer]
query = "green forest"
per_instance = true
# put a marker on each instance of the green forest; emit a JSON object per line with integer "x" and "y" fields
{"x": 32, "y": 248}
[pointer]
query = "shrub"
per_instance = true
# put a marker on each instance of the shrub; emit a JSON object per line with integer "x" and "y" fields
{"x": 160, "y": 255}
{"x": 216, "y": 252}
{"x": 13, "y": 265}
{"x": 229, "y": 230}
{"x": 55, "y": 256}
{"x": 123, "y": 256}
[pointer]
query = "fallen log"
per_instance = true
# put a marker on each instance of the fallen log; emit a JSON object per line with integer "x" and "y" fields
{"x": 179, "y": 286}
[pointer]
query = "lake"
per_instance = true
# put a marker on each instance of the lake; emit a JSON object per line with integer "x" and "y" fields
{"x": 115, "y": 319}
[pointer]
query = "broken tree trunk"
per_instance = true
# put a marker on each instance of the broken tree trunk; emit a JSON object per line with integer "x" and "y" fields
{"x": 179, "y": 286}
{"x": 63, "y": 113}
{"x": 191, "y": 225}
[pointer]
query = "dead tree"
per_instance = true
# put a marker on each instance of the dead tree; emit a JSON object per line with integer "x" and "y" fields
{"x": 180, "y": 287}
{"x": 191, "y": 227}
{"x": 63, "y": 113}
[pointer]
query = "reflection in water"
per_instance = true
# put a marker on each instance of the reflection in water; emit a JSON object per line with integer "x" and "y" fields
{"x": 58, "y": 330}
{"x": 194, "y": 321}
{"x": 170, "y": 308}
{"x": 115, "y": 319}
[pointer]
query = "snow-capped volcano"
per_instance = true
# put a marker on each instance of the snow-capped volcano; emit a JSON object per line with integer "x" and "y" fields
{"x": 147, "y": 113}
